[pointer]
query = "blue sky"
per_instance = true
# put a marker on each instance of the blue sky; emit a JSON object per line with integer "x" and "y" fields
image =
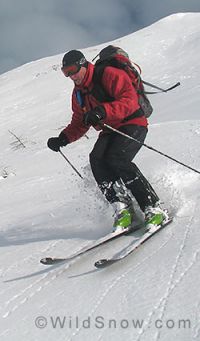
{"x": 32, "y": 29}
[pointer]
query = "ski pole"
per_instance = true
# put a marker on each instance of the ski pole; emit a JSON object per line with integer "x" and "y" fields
{"x": 158, "y": 88}
{"x": 77, "y": 172}
{"x": 149, "y": 147}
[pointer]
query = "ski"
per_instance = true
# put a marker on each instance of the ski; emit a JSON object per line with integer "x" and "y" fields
{"x": 102, "y": 263}
{"x": 110, "y": 236}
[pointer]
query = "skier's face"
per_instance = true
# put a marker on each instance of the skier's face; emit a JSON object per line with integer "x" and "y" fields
{"x": 79, "y": 76}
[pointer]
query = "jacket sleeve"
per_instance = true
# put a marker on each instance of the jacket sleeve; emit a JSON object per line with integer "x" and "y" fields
{"x": 75, "y": 129}
{"x": 118, "y": 84}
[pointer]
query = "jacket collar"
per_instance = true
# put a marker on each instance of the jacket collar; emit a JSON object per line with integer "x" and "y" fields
{"x": 87, "y": 81}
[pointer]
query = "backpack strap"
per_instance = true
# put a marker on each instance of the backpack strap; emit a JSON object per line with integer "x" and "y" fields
{"x": 98, "y": 91}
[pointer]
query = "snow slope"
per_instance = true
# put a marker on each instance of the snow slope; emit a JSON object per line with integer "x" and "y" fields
{"x": 46, "y": 209}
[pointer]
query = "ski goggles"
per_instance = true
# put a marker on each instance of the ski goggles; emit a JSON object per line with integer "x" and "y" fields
{"x": 70, "y": 70}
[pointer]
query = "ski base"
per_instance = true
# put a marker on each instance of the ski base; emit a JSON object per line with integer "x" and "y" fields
{"x": 102, "y": 263}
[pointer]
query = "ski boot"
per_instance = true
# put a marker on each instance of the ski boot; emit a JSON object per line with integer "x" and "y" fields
{"x": 155, "y": 215}
{"x": 123, "y": 216}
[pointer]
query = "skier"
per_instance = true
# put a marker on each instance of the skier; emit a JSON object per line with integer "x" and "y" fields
{"x": 111, "y": 158}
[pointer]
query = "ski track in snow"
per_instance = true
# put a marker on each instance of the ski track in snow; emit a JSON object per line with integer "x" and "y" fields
{"x": 172, "y": 283}
{"x": 21, "y": 264}
{"x": 22, "y": 297}
{"x": 116, "y": 281}
{"x": 35, "y": 287}
{"x": 196, "y": 329}
{"x": 27, "y": 259}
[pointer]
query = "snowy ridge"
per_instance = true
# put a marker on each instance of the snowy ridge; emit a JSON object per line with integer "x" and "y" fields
{"x": 43, "y": 214}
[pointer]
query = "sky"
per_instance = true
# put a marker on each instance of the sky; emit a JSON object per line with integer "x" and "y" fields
{"x": 33, "y": 29}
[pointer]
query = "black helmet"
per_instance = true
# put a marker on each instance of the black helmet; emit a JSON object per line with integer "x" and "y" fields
{"x": 74, "y": 57}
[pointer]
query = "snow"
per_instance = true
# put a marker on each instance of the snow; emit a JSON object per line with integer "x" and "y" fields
{"x": 47, "y": 210}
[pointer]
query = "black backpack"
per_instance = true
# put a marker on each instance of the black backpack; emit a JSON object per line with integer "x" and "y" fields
{"x": 117, "y": 57}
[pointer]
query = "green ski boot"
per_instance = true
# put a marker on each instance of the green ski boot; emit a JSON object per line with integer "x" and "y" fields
{"x": 155, "y": 216}
{"x": 123, "y": 216}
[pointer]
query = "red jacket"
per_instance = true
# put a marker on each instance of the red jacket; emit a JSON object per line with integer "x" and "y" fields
{"x": 118, "y": 85}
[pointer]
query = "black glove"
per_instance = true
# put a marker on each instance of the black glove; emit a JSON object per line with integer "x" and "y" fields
{"x": 94, "y": 116}
{"x": 54, "y": 143}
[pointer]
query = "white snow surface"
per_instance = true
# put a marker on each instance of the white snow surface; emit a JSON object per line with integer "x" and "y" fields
{"x": 47, "y": 210}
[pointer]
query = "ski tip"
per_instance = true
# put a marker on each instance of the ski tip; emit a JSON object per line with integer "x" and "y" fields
{"x": 52, "y": 261}
{"x": 100, "y": 263}
{"x": 47, "y": 260}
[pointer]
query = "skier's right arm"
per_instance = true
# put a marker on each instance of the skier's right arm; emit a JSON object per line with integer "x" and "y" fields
{"x": 74, "y": 130}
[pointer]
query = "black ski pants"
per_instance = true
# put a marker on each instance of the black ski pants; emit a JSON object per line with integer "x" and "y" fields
{"x": 111, "y": 160}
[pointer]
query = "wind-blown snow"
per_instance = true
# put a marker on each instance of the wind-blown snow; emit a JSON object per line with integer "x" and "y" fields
{"x": 47, "y": 210}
